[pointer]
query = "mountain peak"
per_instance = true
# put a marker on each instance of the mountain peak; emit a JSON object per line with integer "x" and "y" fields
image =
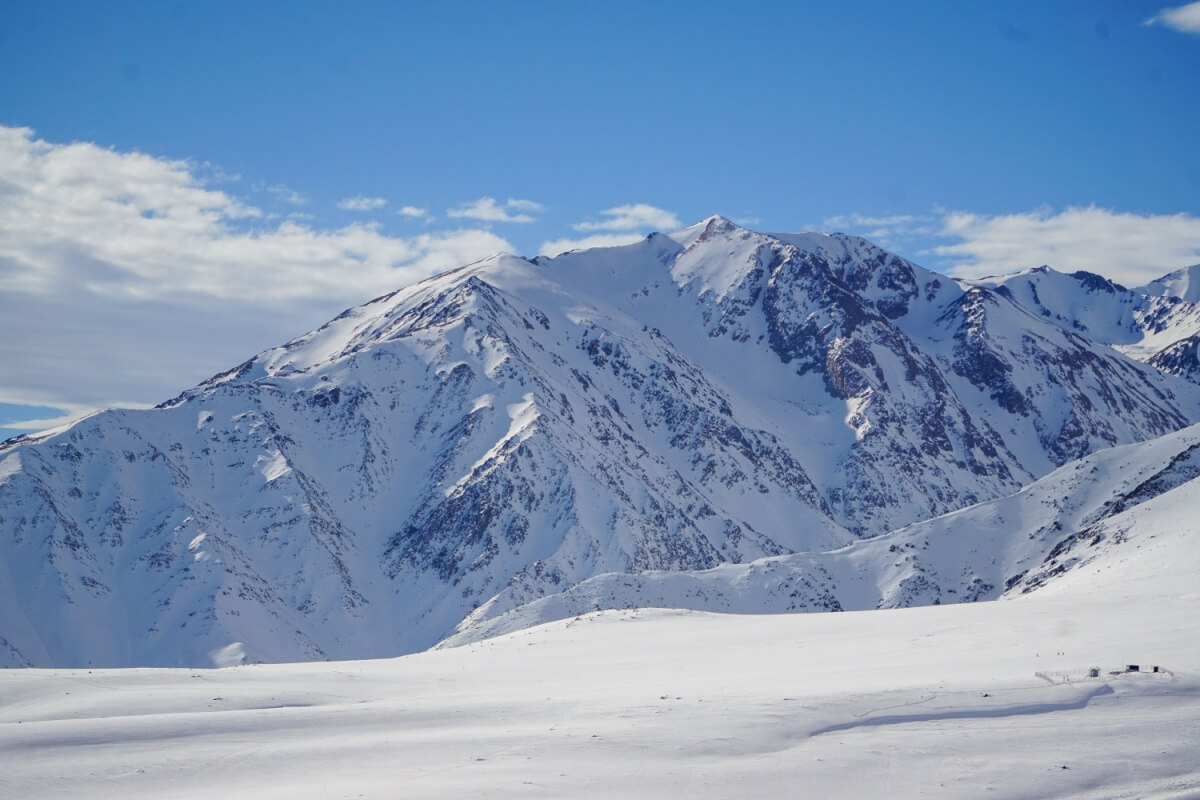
{"x": 707, "y": 228}
{"x": 719, "y": 224}
{"x": 1182, "y": 283}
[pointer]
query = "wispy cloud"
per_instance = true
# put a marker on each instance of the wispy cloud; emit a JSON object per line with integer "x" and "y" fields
{"x": 559, "y": 246}
{"x": 624, "y": 225}
{"x": 488, "y": 209}
{"x": 889, "y": 231}
{"x": 1185, "y": 18}
{"x": 413, "y": 212}
{"x": 125, "y": 278}
{"x": 899, "y": 222}
{"x": 632, "y": 217}
{"x": 1129, "y": 248}
{"x": 360, "y": 203}
{"x": 286, "y": 194}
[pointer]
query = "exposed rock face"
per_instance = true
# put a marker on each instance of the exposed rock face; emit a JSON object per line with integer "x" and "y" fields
{"x": 1179, "y": 359}
{"x": 1145, "y": 323}
{"x": 1100, "y": 510}
{"x": 711, "y": 396}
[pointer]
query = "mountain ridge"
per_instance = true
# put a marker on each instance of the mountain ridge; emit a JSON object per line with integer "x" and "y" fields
{"x": 710, "y": 396}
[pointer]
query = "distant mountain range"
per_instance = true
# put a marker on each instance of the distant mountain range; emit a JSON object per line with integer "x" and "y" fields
{"x": 669, "y": 421}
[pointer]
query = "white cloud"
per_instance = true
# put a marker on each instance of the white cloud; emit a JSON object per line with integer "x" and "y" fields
{"x": 487, "y": 209}
{"x": 123, "y": 279}
{"x": 900, "y": 223}
{"x": 524, "y": 205}
{"x": 892, "y": 231}
{"x": 360, "y": 203}
{"x": 636, "y": 216}
{"x": 413, "y": 212}
{"x": 286, "y": 194}
{"x": 630, "y": 220}
{"x": 1131, "y": 249}
{"x": 558, "y": 246}
{"x": 1185, "y": 18}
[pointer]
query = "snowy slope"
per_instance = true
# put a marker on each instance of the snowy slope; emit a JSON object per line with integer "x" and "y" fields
{"x": 1088, "y": 513}
{"x": 1182, "y": 283}
{"x": 516, "y": 427}
{"x": 1147, "y": 322}
{"x": 939, "y": 701}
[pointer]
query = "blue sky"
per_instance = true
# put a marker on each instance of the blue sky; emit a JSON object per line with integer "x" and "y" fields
{"x": 164, "y": 158}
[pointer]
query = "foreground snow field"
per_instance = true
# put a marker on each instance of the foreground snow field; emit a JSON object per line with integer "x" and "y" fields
{"x": 939, "y": 701}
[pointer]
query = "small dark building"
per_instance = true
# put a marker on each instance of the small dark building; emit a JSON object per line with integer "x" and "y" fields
{"x": 1133, "y": 668}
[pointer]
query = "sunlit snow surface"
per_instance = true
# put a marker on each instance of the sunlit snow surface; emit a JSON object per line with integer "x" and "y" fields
{"x": 940, "y": 701}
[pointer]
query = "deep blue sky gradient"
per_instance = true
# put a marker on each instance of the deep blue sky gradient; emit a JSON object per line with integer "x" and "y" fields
{"x": 787, "y": 112}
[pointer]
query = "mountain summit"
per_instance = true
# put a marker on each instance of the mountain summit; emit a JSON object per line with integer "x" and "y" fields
{"x": 706, "y": 396}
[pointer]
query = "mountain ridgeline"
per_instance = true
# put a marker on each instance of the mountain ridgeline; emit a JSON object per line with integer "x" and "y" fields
{"x": 514, "y": 428}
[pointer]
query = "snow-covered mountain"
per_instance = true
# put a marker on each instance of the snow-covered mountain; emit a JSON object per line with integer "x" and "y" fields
{"x": 1152, "y": 323}
{"x": 516, "y": 427}
{"x": 1099, "y": 511}
{"x": 1182, "y": 283}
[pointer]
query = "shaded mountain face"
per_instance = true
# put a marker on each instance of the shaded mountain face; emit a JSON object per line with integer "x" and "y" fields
{"x": 1179, "y": 359}
{"x": 711, "y": 396}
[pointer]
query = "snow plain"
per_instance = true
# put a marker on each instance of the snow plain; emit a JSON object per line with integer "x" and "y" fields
{"x": 937, "y": 701}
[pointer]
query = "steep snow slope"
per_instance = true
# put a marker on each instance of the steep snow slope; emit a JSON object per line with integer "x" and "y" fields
{"x": 1098, "y": 511}
{"x": 711, "y": 396}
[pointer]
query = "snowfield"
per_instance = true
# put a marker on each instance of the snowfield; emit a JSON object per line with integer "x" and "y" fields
{"x": 940, "y": 701}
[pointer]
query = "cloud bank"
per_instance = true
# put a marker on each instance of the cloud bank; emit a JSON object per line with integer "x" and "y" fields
{"x": 1129, "y": 248}
{"x": 125, "y": 278}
